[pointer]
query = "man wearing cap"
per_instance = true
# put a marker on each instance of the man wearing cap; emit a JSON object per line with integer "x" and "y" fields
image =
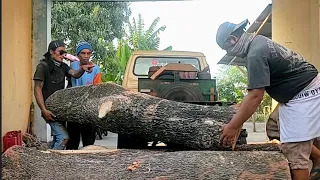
{"x": 286, "y": 77}
{"x": 49, "y": 77}
{"x": 87, "y": 131}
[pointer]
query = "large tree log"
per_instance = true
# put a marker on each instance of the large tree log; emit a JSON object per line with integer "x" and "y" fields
{"x": 23, "y": 163}
{"x": 144, "y": 116}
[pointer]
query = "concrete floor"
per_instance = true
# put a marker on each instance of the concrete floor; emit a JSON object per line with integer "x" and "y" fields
{"x": 110, "y": 141}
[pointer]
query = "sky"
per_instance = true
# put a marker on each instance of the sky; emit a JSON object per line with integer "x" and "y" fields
{"x": 192, "y": 25}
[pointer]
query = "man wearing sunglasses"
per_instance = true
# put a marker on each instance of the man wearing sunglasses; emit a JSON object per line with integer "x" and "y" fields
{"x": 286, "y": 77}
{"x": 87, "y": 131}
{"x": 49, "y": 77}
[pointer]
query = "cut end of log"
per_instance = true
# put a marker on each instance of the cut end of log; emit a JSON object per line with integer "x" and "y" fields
{"x": 104, "y": 109}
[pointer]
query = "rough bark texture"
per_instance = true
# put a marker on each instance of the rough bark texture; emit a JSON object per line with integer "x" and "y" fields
{"x": 25, "y": 163}
{"x": 258, "y": 147}
{"x": 147, "y": 117}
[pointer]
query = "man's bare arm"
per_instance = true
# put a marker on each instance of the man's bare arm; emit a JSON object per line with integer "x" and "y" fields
{"x": 76, "y": 73}
{"x": 248, "y": 106}
{"x": 38, "y": 85}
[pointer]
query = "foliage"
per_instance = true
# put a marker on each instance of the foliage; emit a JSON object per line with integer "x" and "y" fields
{"x": 267, "y": 101}
{"x": 141, "y": 39}
{"x": 232, "y": 84}
{"x": 114, "y": 66}
{"x": 137, "y": 38}
{"x": 96, "y": 22}
{"x": 260, "y": 117}
{"x": 101, "y": 24}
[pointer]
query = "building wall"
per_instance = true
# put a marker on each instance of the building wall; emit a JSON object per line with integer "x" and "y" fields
{"x": 16, "y": 64}
{"x": 295, "y": 24}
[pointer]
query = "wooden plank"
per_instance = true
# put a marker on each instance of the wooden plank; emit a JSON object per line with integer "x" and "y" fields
{"x": 263, "y": 23}
{"x": 243, "y": 72}
{"x": 174, "y": 67}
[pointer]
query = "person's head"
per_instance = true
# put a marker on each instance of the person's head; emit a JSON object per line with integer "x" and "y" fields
{"x": 56, "y": 50}
{"x": 84, "y": 52}
{"x": 229, "y": 33}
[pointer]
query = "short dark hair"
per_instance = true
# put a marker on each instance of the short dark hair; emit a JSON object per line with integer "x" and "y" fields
{"x": 53, "y": 45}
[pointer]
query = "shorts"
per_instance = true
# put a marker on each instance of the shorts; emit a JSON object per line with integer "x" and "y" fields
{"x": 297, "y": 153}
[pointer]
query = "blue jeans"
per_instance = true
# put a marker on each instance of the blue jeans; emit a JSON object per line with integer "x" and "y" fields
{"x": 59, "y": 133}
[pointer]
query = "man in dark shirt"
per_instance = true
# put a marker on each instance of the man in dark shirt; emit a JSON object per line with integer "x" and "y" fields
{"x": 286, "y": 77}
{"x": 49, "y": 77}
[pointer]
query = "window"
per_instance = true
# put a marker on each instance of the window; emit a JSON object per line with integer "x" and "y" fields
{"x": 142, "y": 64}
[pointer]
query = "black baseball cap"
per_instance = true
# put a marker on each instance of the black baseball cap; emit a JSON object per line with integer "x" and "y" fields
{"x": 53, "y": 45}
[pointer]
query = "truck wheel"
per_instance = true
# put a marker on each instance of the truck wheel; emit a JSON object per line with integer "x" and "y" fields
{"x": 181, "y": 92}
{"x": 132, "y": 142}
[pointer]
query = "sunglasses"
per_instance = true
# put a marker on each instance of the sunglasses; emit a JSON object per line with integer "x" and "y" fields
{"x": 62, "y": 52}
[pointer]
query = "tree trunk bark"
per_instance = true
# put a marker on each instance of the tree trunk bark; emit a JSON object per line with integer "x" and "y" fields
{"x": 140, "y": 115}
{"x": 25, "y": 163}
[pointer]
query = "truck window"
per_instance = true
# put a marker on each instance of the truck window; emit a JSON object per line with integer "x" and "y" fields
{"x": 142, "y": 64}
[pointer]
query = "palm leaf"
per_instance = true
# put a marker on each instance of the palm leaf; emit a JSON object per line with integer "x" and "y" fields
{"x": 157, "y": 32}
{"x": 169, "y": 48}
{"x": 152, "y": 28}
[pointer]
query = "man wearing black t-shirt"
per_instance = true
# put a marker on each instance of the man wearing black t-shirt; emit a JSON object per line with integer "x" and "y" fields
{"x": 49, "y": 77}
{"x": 287, "y": 78}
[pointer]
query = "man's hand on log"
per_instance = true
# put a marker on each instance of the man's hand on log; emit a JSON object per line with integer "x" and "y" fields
{"x": 48, "y": 115}
{"x": 228, "y": 134}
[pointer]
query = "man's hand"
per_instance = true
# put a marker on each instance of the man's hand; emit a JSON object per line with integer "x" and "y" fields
{"x": 48, "y": 115}
{"x": 88, "y": 67}
{"x": 78, "y": 73}
{"x": 228, "y": 135}
{"x": 247, "y": 107}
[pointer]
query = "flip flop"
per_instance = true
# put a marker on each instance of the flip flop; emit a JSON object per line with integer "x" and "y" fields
{"x": 316, "y": 176}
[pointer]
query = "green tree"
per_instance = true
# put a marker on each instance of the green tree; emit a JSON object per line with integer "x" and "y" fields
{"x": 232, "y": 84}
{"x": 114, "y": 65}
{"x": 96, "y": 22}
{"x": 141, "y": 39}
{"x": 137, "y": 38}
